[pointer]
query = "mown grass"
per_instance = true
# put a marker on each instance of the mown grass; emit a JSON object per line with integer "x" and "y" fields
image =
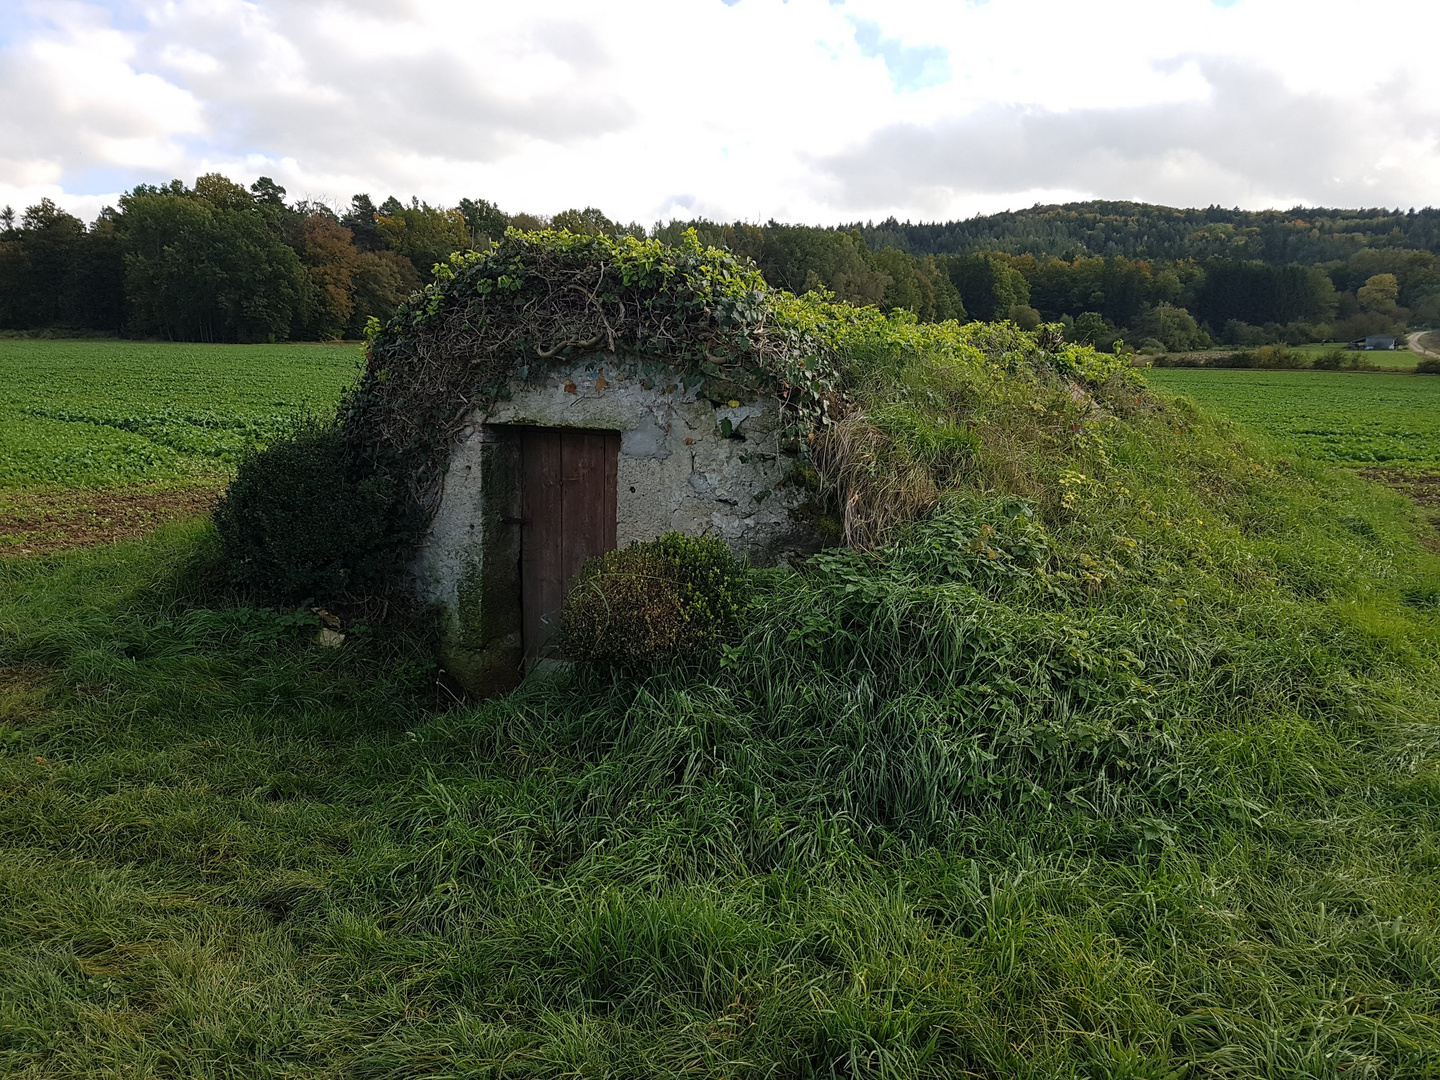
{"x": 1376, "y": 360}
{"x": 1124, "y": 762}
{"x": 1348, "y": 418}
{"x": 1385, "y": 359}
{"x": 102, "y": 413}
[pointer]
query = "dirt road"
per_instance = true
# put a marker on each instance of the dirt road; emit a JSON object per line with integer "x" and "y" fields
{"x": 1421, "y": 350}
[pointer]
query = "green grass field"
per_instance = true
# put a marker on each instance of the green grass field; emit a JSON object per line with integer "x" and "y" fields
{"x": 1399, "y": 360}
{"x": 1135, "y": 775}
{"x": 1396, "y": 360}
{"x": 1347, "y": 418}
{"x": 79, "y": 414}
{"x": 91, "y": 414}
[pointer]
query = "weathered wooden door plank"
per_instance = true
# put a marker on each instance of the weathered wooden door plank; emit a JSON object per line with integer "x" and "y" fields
{"x": 570, "y": 515}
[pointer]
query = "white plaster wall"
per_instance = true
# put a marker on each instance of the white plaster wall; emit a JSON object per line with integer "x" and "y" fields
{"x": 677, "y": 471}
{"x": 451, "y": 551}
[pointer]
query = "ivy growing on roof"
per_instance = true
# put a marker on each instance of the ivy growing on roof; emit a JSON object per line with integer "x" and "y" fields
{"x": 490, "y": 317}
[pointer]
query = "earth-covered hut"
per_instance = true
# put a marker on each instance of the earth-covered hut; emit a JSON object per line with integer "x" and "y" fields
{"x": 561, "y": 395}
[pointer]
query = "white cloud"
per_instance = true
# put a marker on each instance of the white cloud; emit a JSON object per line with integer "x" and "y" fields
{"x": 76, "y": 101}
{"x": 1251, "y": 141}
{"x": 807, "y": 110}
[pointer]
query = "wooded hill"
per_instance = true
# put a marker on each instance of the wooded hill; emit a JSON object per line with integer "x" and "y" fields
{"x": 1306, "y": 235}
{"x": 219, "y": 262}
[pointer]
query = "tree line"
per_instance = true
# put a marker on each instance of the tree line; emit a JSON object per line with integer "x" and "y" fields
{"x": 1175, "y": 304}
{"x": 220, "y": 262}
{"x": 1304, "y": 235}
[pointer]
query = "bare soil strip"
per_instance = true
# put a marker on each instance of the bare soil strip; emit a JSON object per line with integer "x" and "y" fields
{"x": 1423, "y": 488}
{"x": 42, "y": 522}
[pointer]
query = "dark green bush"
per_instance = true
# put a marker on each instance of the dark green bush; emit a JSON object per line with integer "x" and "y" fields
{"x": 1428, "y": 367}
{"x": 1231, "y": 360}
{"x": 659, "y": 600}
{"x": 295, "y": 523}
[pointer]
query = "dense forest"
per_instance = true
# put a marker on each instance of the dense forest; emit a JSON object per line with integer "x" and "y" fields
{"x": 1305, "y": 235}
{"x": 220, "y": 262}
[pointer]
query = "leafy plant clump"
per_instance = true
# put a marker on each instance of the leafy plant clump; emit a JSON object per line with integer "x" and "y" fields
{"x": 940, "y": 407}
{"x": 295, "y": 523}
{"x": 660, "y": 600}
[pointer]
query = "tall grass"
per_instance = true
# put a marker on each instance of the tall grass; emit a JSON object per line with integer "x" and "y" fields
{"x": 1121, "y": 760}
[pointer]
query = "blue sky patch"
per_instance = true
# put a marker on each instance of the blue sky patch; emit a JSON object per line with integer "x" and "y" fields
{"x": 106, "y": 179}
{"x": 912, "y": 67}
{"x": 14, "y": 26}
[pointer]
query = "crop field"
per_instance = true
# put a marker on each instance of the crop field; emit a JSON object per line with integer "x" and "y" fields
{"x": 1345, "y": 418}
{"x": 101, "y": 414}
{"x": 104, "y": 440}
{"x": 98, "y": 414}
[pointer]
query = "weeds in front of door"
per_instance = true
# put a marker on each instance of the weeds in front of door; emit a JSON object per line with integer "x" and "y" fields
{"x": 660, "y": 600}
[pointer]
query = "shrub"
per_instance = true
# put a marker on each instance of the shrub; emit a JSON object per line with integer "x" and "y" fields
{"x": 1279, "y": 356}
{"x": 1266, "y": 356}
{"x": 659, "y": 600}
{"x": 1172, "y": 328}
{"x": 1236, "y": 332}
{"x": 1330, "y": 361}
{"x": 295, "y": 524}
{"x": 1428, "y": 367}
{"x": 1232, "y": 360}
{"x": 1024, "y": 316}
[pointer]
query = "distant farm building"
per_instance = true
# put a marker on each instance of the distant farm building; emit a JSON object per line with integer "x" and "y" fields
{"x": 1373, "y": 342}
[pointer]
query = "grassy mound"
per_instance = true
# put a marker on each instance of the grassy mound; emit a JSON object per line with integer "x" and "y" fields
{"x": 1109, "y": 749}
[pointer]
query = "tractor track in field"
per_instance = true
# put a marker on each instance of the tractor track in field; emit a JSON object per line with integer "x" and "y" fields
{"x": 46, "y": 521}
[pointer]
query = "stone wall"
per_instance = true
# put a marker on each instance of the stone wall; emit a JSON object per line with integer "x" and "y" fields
{"x": 679, "y": 470}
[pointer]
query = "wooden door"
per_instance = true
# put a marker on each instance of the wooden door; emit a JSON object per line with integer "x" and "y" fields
{"x": 569, "y": 480}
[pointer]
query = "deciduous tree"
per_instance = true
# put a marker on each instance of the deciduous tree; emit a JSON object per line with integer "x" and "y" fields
{"x": 206, "y": 265}
{"x": 988, "y": 285}
{"x": 422, "y": 233}
{"x": 1379, "y": 294}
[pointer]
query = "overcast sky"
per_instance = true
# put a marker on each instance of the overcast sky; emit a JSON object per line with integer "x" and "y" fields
{"x": 807, "y": 110}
